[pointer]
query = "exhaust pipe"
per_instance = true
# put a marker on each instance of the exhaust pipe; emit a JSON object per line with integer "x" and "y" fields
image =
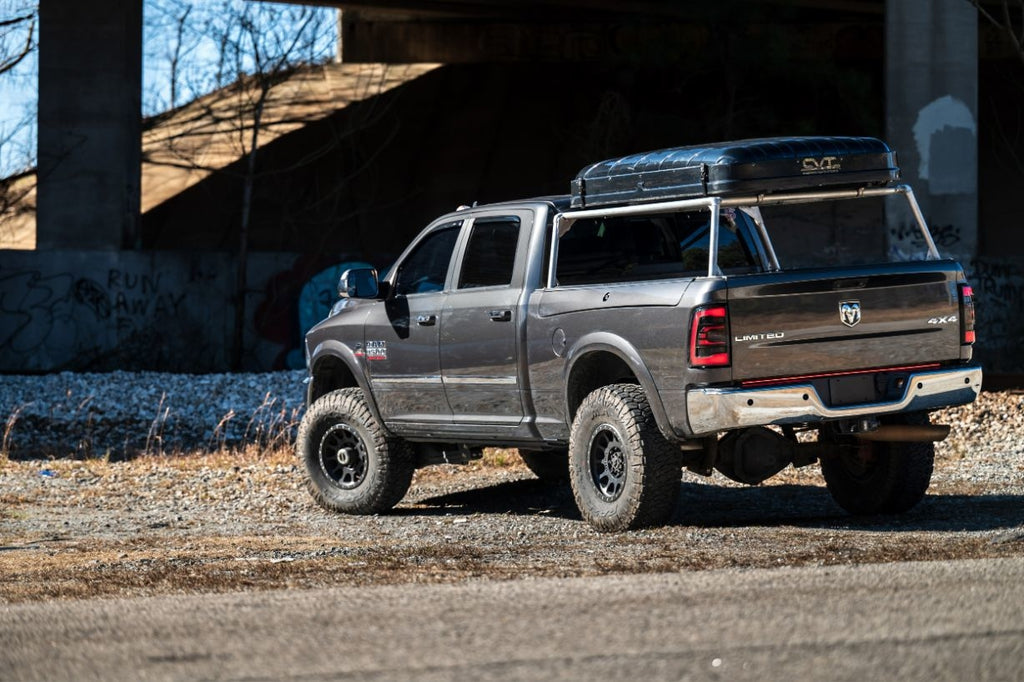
{"x": 906, "y": 433}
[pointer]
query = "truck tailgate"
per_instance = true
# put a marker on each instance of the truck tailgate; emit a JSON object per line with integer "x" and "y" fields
{"x": 838, "y": 320}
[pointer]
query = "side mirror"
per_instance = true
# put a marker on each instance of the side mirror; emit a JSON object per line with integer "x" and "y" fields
{"x": 358, "y": 283}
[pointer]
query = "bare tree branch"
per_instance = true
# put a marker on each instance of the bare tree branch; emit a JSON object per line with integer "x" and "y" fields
{"x": 1005, "y": 23}
{"x": 8, "y": 62}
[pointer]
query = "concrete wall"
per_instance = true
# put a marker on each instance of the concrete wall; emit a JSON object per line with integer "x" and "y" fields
{"x": 172, "y": 311}
{"x": 999, "y": 298}
{"x": 931, "y": 68}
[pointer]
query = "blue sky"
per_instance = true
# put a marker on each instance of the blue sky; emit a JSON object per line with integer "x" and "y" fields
{"x": 17, "y": 98}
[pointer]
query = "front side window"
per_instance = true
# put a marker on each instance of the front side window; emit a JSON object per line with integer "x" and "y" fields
{"x": 491, "y": 253}
{"x": 425, "y": 269}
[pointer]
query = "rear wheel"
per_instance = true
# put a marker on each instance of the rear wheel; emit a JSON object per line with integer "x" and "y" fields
{"x": 352, "y": 465}
{"x": 624, "y": 473}
{"x": 869, "y": 477}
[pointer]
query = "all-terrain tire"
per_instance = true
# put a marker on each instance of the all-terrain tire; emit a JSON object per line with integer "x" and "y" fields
{"x": 880, "y": 477}
{"x": 352, "y": 466}
{"x": 624, "y": 473}
{"x": 547, "y": 465}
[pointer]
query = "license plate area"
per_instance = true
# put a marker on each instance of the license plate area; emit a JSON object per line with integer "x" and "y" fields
{"x": 852, "y": 390}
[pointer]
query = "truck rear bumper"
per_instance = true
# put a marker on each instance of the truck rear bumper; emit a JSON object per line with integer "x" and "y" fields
{"x": 719, "y": 409}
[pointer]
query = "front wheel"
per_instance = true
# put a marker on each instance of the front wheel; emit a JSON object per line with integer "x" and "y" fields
{"x": 352, "y": 465}
{"x": 547, "y": 465}
{"x": 870, "y": 477}
{"x": 624, "y": 473}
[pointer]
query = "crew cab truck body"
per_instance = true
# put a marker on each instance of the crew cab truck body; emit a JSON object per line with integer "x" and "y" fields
{"x": 641, "y": 324}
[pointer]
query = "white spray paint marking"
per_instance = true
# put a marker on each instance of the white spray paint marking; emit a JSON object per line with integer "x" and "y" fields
{"x": 947, "y": 115}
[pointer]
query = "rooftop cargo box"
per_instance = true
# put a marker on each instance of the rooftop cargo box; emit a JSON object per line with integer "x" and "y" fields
{"x": 757, "y": 166}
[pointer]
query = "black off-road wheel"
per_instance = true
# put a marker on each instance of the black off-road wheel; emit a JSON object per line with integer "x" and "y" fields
{"x": 352, "y": 465}
{"x": 547, "y": 465}
{"x": 624, "y": 473}
{"x": 872, "y": 477}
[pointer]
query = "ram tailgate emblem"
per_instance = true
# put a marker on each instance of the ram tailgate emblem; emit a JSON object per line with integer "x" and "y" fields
{"x": 849, "y": 312}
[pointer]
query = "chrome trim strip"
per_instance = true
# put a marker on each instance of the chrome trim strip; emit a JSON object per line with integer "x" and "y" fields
{"x": 484, "y": 381}
{"x": 428, "y": 380}
{"x": 716, "y": 409}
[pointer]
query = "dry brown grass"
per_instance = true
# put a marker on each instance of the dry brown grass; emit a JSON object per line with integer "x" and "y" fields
{"x": 425, "y": 541}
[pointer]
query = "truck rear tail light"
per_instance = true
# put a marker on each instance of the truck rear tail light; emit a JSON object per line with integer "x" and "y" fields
{"x": 709, "y": 337}
{"x": 966, "y": 314}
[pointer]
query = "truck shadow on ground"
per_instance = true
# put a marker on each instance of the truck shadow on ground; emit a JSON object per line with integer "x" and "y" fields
{"x": 713, "y": 506}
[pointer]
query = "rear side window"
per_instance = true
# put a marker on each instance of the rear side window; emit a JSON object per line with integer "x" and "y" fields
{"x": 639, "y": 248}
{"x": 491, "y": 253}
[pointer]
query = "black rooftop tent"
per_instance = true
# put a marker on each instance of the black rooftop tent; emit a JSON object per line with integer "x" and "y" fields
{"x": 741, "y": 167}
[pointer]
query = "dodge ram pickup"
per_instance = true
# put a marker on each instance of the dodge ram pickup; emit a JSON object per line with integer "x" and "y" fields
{"x": 651, "y": 320}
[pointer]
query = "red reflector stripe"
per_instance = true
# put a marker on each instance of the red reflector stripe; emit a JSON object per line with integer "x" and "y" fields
{"x": 969, "y": 337}
{"x": 824, "y": 375}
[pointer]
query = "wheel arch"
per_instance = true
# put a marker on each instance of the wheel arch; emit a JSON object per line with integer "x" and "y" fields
{"x": 601, "y": 359}
{"x": 334, "y": 366}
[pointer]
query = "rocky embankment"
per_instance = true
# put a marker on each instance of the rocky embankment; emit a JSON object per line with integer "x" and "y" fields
{"x": 124, "y": 413}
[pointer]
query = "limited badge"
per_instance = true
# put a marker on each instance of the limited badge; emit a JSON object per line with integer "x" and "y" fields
{"x": 849, "y": 312}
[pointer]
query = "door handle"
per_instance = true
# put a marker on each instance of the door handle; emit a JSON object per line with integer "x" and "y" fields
{"x": 500, "y": 315}
{"x": 426, "y": 320}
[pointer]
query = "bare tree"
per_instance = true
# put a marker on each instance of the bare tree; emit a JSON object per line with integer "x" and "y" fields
{"x": 259, "y": 46}
{"x": 1009, "y": 19}
{"x": 270, "y": 42}
{"x": 17, "y": 36}
{"x": 171, "y": 39}
{"x": 18, "y": 41}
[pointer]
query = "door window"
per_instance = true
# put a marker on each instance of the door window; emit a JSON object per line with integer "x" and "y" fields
{"x": 425, "y": 269}
{"x": 491, "y": 253}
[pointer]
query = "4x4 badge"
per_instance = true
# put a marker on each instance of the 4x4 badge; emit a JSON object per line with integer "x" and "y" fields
{"x": 849, "y": 312}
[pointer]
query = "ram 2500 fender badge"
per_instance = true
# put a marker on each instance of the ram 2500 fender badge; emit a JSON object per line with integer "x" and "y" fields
{"x": 376, "y": 350}
{"x": 849, "y": 312}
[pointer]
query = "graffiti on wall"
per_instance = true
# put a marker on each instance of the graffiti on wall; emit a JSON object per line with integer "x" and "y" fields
{"x": 36, "y": 311}
{"x": 907, "y": 243}
{"x": 999, "y": 296}
{"x": 98, "y": 318}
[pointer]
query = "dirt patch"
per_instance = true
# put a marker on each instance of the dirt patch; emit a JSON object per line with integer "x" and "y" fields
{"x": 224, "y": 522}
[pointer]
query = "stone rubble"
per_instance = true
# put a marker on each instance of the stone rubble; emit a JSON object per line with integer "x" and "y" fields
{"x": 125, "y": 413}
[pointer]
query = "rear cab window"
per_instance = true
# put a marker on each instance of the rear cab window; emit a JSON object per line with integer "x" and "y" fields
{"x": 651, "y": 247}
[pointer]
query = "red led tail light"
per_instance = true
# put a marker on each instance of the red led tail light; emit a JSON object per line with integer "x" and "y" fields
{"x": 709, "y": 337}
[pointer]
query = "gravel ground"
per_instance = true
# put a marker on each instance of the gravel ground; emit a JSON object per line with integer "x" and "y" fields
{"x": 220, "y": 518}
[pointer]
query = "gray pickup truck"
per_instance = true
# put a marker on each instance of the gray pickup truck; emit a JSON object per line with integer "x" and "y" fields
{"x": 646, "y": 322}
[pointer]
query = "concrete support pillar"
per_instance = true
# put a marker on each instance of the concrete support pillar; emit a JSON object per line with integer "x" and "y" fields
{"x": 931, "y": 55}
{"x": 90, "y": 84}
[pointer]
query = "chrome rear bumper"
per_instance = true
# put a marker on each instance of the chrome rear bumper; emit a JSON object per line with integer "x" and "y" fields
{"x": 718, "y": 409}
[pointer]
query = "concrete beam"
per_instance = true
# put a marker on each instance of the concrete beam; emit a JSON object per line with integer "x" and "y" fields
{"x": 468, "y": 42}
{"x": 90, "y": 84}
